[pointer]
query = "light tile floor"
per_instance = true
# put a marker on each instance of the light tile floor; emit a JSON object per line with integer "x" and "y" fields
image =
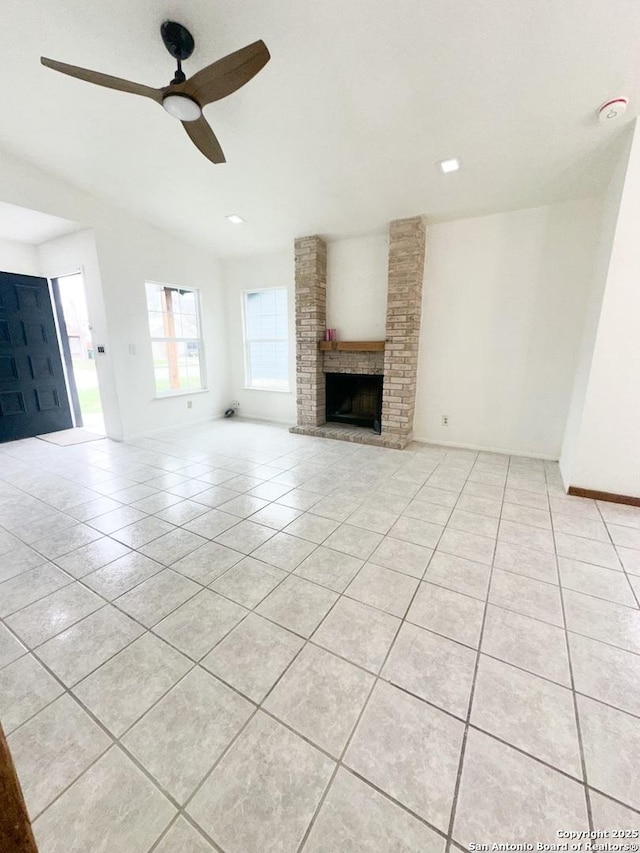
{"x": 233, "y": 638}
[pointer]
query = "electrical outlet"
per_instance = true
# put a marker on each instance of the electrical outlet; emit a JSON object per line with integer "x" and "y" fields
{"x": 445, "y": 420}
{"x": 189, "y": 404}
{"x": 236, "y": 404}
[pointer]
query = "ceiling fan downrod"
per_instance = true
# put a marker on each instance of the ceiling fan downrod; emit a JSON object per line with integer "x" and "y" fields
{"x": 179, "y": 76}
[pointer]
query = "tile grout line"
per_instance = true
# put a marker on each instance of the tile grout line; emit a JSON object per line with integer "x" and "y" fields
{"x": 116, "y": 741}
{"x": 307, "y": 641}
{"x": 583, "y": 763}
{"x": 221, "y": 639}
{"x": 109, "y": 733}
{"x": 465, "y": 736}
{"x": 164, "y": 567}
{"x": 51, "y": 560}
{"x": 182, "y": 808}
{"x": 377, "y": 678}
{"x": 145, "y": 630}
{"x": 636, "y": 595}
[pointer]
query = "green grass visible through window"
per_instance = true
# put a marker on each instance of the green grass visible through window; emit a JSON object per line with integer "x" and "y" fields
{"x": 86, "y": 377}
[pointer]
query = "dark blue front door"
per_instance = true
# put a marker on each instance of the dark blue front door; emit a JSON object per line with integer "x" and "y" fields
{"x": 33, "y": 394}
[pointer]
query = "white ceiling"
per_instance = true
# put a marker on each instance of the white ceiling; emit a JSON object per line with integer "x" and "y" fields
{"x": 340, "y": 132}
{"x": 30, "y": 226}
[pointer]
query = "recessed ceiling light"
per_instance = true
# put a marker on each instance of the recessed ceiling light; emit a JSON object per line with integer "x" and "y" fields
{"x": 447, "y": 166}
{"x": 237, "y": 220}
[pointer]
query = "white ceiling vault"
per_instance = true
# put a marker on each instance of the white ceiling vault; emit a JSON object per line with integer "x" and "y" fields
{"x": 21, "y": 225}
{"x": 340, "y": 132}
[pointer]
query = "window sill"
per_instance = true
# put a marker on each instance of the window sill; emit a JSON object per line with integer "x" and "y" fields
{"x": 173, "y": 394}
{"x": 268, "y": 390}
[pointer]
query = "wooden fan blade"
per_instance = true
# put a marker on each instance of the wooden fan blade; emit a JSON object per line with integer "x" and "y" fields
{"x": 227, "y": 75}
{"x": 103, "y": 79}
{"x": 205, "y": 139}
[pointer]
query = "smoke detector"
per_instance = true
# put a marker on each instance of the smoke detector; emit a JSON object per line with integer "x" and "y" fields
{"x": 612, "y": 109}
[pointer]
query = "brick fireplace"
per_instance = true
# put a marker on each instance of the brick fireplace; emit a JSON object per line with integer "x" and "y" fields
{"x": 395, "y": 359}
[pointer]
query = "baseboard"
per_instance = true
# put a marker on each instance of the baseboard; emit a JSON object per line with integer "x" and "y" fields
{"x": 577, "y": 492}
{"x": 482, "y": 448}
{"x": 135, "y": 435}
{"x": 274, "y": 421}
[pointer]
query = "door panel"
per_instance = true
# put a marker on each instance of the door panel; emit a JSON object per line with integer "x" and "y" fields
{"x": 33, "y": 394}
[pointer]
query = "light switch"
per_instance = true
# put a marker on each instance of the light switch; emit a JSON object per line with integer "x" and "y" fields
{"x": 132, "y": 349}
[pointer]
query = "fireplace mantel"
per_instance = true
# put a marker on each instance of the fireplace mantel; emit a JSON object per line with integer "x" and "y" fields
{"x": 352, "y": 346}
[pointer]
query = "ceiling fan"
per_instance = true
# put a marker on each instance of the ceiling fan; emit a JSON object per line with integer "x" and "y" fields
{"x": 184, "y": 98}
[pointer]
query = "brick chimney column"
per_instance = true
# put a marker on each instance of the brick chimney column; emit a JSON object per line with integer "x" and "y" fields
{"x": 407, "y": 241}
{"x": 311, "y": 319}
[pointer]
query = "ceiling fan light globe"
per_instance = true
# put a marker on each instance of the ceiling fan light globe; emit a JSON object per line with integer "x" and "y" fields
{"x": 182, "y": 107}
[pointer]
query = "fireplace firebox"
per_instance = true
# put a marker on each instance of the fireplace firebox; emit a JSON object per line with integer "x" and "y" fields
{"x": 354, "y": 398}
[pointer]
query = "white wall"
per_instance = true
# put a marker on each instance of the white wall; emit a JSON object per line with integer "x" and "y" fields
{"x": 18, "y": 258}
{"x": 255, "y": 272}
{"x": 604, "y": 243}
{"x": 128, "y": 251}
{"x": 357, "y": 287}
{"x": 503, "y": 305}
{"x": 125, "y": 265}
{"x": 606, "y": 444}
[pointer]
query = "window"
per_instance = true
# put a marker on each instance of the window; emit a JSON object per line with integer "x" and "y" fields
{"x": 266, "y": 339}
{"x": 176, "y": 338}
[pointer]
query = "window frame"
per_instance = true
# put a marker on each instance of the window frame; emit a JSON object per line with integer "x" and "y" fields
{"x": 179, "y": 392}
{"x": 248, "y": 378}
